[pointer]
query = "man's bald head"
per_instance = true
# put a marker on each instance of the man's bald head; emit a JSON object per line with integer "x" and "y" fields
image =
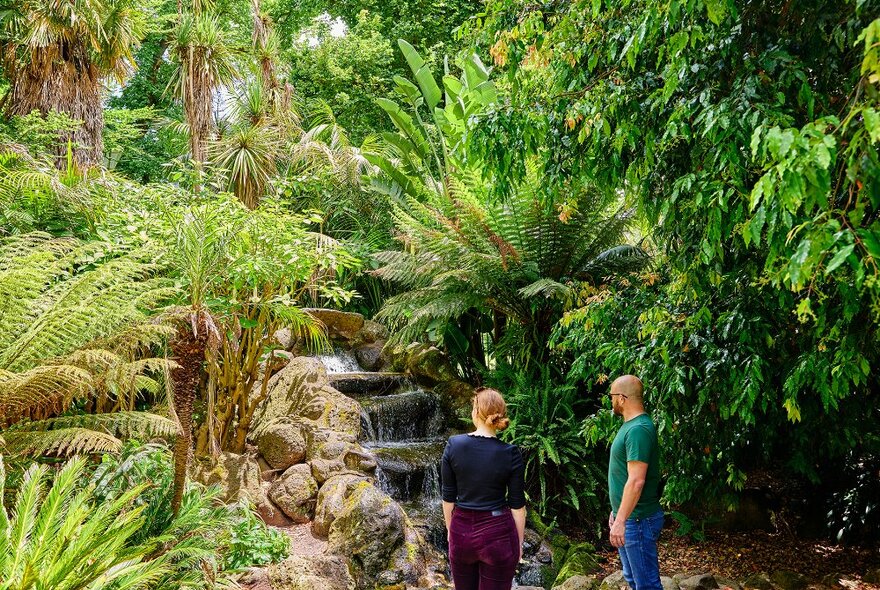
{"x": 630, "y": 386}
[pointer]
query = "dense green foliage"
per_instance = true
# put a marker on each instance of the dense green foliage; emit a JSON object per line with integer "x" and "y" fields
{"x": 743, "y": 131}
{"x": 688, "y": 190}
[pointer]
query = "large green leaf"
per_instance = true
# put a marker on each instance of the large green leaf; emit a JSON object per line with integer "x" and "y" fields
{"x": 421, "y": 71}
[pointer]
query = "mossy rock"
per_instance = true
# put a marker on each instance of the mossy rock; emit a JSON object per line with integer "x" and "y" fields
{"x": 580, "y": 560}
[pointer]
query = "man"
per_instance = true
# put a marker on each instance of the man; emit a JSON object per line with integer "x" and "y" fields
{"x": 634, "y": 486}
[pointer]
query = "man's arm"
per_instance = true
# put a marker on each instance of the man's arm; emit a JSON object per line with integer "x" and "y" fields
{"x": 632, "y": 491}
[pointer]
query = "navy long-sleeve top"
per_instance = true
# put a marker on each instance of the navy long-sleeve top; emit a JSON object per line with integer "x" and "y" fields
{"x": 482, "y": 473}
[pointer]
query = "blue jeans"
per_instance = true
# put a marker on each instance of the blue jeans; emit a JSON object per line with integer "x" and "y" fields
{"x": 639, "y": 552}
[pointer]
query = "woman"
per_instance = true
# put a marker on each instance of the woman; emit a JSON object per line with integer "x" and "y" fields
{"x": 483, "y": 499}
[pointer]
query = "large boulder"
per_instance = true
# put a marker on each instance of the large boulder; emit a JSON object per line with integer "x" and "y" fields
{"x": 292, "y": 391}
{"x": 318, "y": 572}
{"x": 239, "y": 477}
{"x": 759, "y": 581}
{"x": 372, "y": 332}
{"x": 788, "y": 580}
{"x": 614, "y": 581}
{"x": 295, "y": 493}
{"x": 302, "y": 390}
{"x": 580, "y": 560}
{"x": 341, "y": 325}
{"x": 373, "y": 531}
{"x": 331, "y": 453}
{"x": 331, "y": 501}
{"x": 372, "y": 356}
{"x": 282, "y": 445}
{"x": 425, "y": 362}
{"x": 698, "y": 582}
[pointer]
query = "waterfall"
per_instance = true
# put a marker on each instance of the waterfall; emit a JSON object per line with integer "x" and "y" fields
{"x": 340, "y": 361}
{"x": 404, "y": 427}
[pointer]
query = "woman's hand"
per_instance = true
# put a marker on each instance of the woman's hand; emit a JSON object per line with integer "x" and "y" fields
{"x": 611, "y": 519}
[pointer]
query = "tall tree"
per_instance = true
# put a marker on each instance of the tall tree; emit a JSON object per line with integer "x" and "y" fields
{"x": 56, "y": 56}
{"x": 204, "y": 58}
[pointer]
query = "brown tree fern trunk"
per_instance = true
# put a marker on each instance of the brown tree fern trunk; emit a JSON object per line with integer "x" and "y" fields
{"x": 189, "y": 354}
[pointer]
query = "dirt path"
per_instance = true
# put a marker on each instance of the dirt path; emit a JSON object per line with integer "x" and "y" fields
{"x": 302, "y": 543}
{"x": 737, "y": 555}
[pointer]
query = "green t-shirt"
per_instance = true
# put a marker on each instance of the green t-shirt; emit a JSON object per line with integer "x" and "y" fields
{"x": 635, "y": 441}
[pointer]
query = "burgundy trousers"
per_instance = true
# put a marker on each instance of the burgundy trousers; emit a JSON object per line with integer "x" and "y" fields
{"x": 483, "y": 549}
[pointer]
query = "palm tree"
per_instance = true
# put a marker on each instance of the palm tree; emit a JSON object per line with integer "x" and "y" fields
{"x": 204, "y": 60}
{"x": 249, "y": 153}
{"x": 56, "y": 56}
{"x": 199, "y": 253}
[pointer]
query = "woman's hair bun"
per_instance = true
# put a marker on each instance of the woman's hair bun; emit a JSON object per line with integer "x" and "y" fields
{"x": 490, "y": 406}
{"x": 498, "y": 421}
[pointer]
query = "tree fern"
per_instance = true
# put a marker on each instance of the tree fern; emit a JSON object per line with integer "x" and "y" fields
{"x": 74, "y": 325}
{"x": 517, "y": 258}
{"x": 87, "y": 433}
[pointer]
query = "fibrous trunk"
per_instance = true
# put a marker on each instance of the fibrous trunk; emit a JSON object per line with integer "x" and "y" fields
{"x": 63, "y": 79}
{"x": 189, "y": 353}
{"x": 198, "y": 102}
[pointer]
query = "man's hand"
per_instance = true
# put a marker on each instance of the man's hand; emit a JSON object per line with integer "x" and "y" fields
{"x": 618, "y": 531}
{"x": 611, "y": 520}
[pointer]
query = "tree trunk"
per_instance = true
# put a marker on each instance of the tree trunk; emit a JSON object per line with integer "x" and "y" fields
{"x": 189, "y": 353}
{"x": 63, "y": 79}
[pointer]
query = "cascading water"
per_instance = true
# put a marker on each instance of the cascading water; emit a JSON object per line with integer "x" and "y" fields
{"x": 402, "y": 425}
{"x": 341, "y": 361}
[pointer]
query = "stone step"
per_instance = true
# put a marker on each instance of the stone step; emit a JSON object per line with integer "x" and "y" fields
{"x": 366, "y": 382}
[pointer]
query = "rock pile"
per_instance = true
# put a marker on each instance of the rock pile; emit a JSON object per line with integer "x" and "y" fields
{"x": 304, "y": 464}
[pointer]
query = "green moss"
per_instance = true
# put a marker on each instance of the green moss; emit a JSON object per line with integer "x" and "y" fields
{"x": 580, "y": 560}
{"x": 412, "y": 552}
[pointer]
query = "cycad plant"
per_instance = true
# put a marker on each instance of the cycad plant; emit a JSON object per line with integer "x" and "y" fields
{"x": 62, "y": 539}
{"x": 56, "y": 56}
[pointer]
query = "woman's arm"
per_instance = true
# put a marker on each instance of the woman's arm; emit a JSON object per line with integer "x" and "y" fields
{"x": 516, "y": 495}
{"x": 519, "y": 517}
{"x": 447, "y": 513}
{"x": 448, "y": 486}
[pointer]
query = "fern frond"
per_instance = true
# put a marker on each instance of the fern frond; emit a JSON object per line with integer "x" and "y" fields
{"x": 60, "y": 442}
{"x": 39, "y": 391}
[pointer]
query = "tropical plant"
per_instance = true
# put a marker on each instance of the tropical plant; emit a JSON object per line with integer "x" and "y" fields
{"x": 422, "y": 157}
{"x": 747, "y": 132}
{"x": 204, "y": 59}
{"x": 56, "y": 57}
{"x": 514, "y": 263}
{"x": 207, "y": 540}
{"x": 546, "y": 424}
{"x": 251, "y": 542}
{"x": 73, "y": 329}
{"x": 63, "y": 539}
{"x": 35, "y": 196}
{"x": 250, "y": 154}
